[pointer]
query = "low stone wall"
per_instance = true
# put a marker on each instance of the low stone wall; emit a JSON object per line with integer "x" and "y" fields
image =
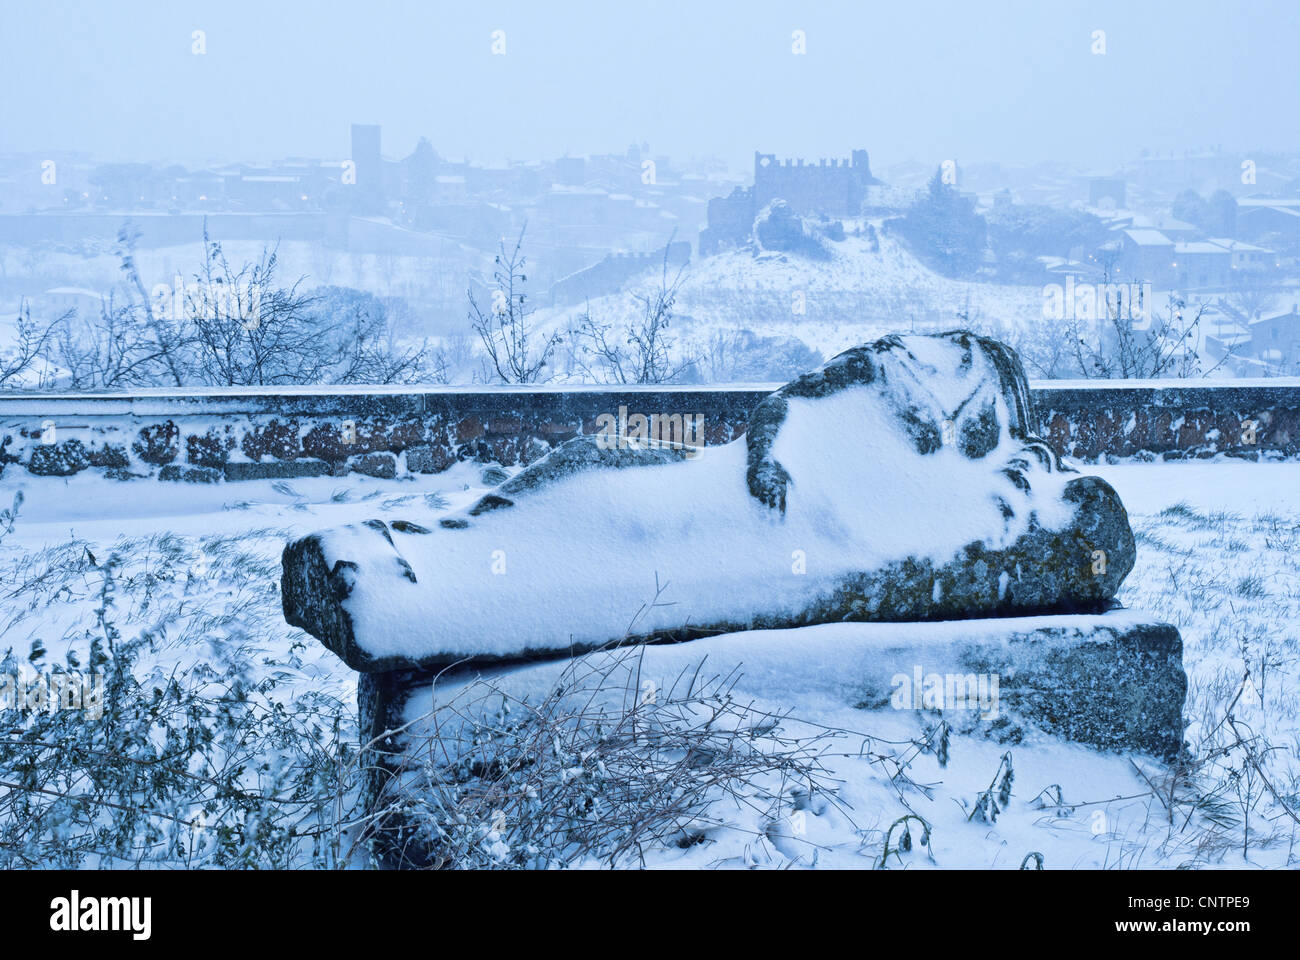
{"x": 239, "y": 434}
{"x": 1158, "y": 419}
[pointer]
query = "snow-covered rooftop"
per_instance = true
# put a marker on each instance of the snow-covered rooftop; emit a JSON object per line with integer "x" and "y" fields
{"x": 1145, "y": 237}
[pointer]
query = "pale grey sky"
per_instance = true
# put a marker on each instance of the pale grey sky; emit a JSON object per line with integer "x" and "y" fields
{"x": 971, "y": 80}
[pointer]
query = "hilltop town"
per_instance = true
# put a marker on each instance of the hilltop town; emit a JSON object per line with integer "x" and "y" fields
{"x": 987, "y": 243}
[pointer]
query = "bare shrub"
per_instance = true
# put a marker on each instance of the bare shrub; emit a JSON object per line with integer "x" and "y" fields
{"x": 231, "y": 325}
{"x": 603, "y": 769}
{"x": 112, "y": 351}
{"x": 207, "y": 762}
{"x": 246, "y": 328}
{"x": 505, "y": 330}
{"x": 642, "y": 351}
{"x": 31, "y": 341}
{"x": 129, "y": 344}
{"x": 250, "y": 329}
{"x": 1166, "y": 347}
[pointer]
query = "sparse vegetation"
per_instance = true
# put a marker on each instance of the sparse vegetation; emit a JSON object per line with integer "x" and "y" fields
{"x": 642, "y": 351}
{"x": 602, "y": 769}
{"x": 203, "y": 756}
{"x": 226, "y": 325}
{"x": 505, "y": 329}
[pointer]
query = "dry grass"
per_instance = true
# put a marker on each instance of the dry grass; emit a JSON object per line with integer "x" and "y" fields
{"x": 603, "y": 769}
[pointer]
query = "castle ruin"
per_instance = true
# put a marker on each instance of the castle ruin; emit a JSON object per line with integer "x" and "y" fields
{"x": 827, "y": 188}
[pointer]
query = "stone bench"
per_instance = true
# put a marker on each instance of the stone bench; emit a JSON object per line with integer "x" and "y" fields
{"x": 900, "y": 484}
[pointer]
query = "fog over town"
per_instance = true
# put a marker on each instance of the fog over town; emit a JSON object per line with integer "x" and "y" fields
{"x": 924, "y": 167}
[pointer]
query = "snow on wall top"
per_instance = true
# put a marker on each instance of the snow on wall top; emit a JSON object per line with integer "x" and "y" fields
{"x": 171, "y": 401}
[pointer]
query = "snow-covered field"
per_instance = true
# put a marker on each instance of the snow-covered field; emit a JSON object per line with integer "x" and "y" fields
{"x": 858, "y": 293}
{"x": 1217, "y": 546}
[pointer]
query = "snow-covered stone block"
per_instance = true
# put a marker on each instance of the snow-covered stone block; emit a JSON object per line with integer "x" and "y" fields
{"x": 902, "y": 481}
{"x": 1112, "y": 681}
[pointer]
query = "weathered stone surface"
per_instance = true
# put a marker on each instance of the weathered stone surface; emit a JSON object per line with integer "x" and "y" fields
{"x": 509, "y": 450}
{"x": 889, "y": 366}
{"x": 1180, "y": 420}
{"x": 158, "y": 443}
{"x": 380, "y": 465}
{"x": 1113, "y": 682}
{"x": 276, "y": 470}
{"x": 1091, "y": 421}
{"x": 277, "y": 439}
{"x": 211, "y": 449}
{"x": 58, "y": 459}
{"x": 325, "y": 441}
{"x": 338, "y": 441}
{"x": 1119, "y": 689}
{"x": 932, "y": 407}
{"x": 111, "y": 455}
{"x": 573, "y": 456}
{"x": 175, "y": 472}
{"x": 492, "y": 476}
{"x": 468, "y": 428}
{"x": 316, "y": 592}
{"x": 429, "y": 458}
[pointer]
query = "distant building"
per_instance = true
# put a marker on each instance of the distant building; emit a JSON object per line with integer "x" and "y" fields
{"x": 1155, "y": 257}
{"x": 1107, "y": 192}
{"x": 1274, "y": 220}
{"x": 1275, "y": 340}
{"x": 449, "y": 188}
{"x": 500, "y": 180}
{"x": 1198, "y": 264}
{"x": 1170, "y": 226}
{"x": 1246, "y": 256}
{"x": 59, "y": 300}
{"x": 1147, "y": 256}
{"x": 369, "y": 169}
{"x": 828, "y": 188}
{"x": 267, "y": 191}
{"x": 419, "y": 171}
{"x": 730, "y": 220}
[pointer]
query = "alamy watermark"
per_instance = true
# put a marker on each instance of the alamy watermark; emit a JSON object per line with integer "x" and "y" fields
{"x": 623, "y": 430}
{"x": 1098, "y": 301}
{"x": 51, "y": 693}
{"x": 75, "y": 913}
{"x": 180, "y": 301}
{"x": 945, "y": 691}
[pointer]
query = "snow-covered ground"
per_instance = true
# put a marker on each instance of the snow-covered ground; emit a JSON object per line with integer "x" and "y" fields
{"x": 1217, "y": 548}
{"x": 98, "y": 267}
{"x": 860, "y": 292}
